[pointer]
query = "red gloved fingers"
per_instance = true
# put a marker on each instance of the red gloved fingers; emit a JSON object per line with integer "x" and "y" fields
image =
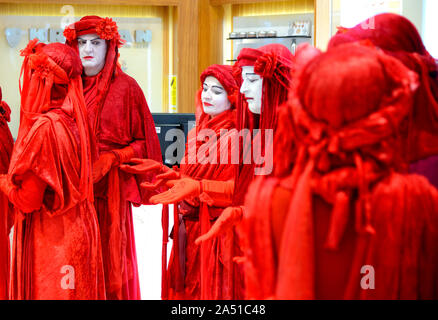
{"x": 169, "y": 174}
{"x": 141, "y": 166}
{"x": 226, "y": 221}
{"x": 153, "y": 186}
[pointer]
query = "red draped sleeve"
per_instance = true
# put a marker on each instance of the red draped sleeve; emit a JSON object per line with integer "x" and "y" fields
{"x": 54, "y": 164}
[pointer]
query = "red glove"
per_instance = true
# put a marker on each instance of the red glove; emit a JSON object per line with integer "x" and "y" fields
{"x": 110, "y": 159}
{"x": 124, "y": 155}
{"x": 226, "y": 221}
{"x": 103, "y": 165}
{"x": 181, "y": 189}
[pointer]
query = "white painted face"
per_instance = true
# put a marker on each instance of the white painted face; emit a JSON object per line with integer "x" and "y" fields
{"x": 92, "y": 51}
{"x": 252, "y": 89}
{"x": 214, "y": 97}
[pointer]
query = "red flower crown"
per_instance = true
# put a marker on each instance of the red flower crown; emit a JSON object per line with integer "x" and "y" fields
{"x": 106, "y": 29}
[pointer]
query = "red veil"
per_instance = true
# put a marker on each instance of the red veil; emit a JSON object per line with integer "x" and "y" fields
{"x": 273, "y": 62}
{"x": 39, "y": 75}
{"x": 54, "y": 150}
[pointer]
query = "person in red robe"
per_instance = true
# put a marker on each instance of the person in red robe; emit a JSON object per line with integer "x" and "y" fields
{"x": 206, "y": 271}
{"x": 122, "y": 123}
{"x": 265, "y": 74}
{"x": 56, "y": 247}
{"x": 6, "y": 145}
{"x": 398, "y": 37}
{"x": 341, "y": 218}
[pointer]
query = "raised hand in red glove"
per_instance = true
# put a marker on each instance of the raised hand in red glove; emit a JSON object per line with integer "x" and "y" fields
{"x": 230, "y": 217}
{"x": 185, "y": 188}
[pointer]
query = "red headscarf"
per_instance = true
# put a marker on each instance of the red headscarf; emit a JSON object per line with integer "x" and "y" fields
{"x": 51, "y": 74}
{"x": 347, "y": 106}
{"x": 398, "y": 37}
{"x": 273, "y": 63}
{"x": 96, "y": 89}
{"x": 223, "y": 121}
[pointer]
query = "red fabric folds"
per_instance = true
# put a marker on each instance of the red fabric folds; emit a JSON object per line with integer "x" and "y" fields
{"x": 398, "y": 37}
{"x": 56, "y": 250}
{"x": 347, "y": 202}
{"x": 278, "y": 59}
{"x": 6, "y": 145}
{"x": 120, "y": 117}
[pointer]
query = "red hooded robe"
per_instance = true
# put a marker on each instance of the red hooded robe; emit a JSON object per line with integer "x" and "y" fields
{"x": 56, "y": 249}
{"x": 120, "y": 117}
{"x": 343, "y": 205}
{"x": 208, "y": 268}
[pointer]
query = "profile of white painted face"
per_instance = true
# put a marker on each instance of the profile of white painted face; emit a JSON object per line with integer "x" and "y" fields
{"x": 252, "y": 89}
{"x": 92, "y": 51}
{"x": 214, "y": 97}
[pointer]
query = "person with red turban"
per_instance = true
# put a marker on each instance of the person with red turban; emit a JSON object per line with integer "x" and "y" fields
{"x": 6, "y": 212}
{"x": 266, "y": 77}
{"x": 398, "y": 37}
{"x": 122, "y": 123}
{"x": 206, "y": 271}
{"x": 340, "y": 218}
{"x": 56, "y": 247}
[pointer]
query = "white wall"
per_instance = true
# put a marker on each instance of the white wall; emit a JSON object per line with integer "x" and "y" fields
{"x": 430, "y": 26}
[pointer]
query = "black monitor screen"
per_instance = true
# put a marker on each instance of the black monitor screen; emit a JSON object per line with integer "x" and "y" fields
{"x": 172, "y": 130}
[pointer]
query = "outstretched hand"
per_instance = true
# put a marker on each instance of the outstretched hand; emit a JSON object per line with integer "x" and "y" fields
{"x": 226, "y": 221}
{"x": 181, "y": 189}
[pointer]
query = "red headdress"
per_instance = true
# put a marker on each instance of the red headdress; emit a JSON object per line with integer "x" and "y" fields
{"x": 273, "y": 62}
{"x": 224, "y": 74}
{"x": 398, "y": 37}
{"x": 106, "y": 29}
{"x": 347, "y": 106}
{"x": 224, "y": 121}
{"x": 51, "y": 79}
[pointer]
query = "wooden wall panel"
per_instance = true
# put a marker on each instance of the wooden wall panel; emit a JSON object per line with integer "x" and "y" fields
{"x": 52, "y": 9}
{"x": 210, "y": 35}
{"x": 103, "y": 2}
{"x": 323, "y": 23}
{"x": 274, "y": 7}
{"x": 187, "y": 61}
